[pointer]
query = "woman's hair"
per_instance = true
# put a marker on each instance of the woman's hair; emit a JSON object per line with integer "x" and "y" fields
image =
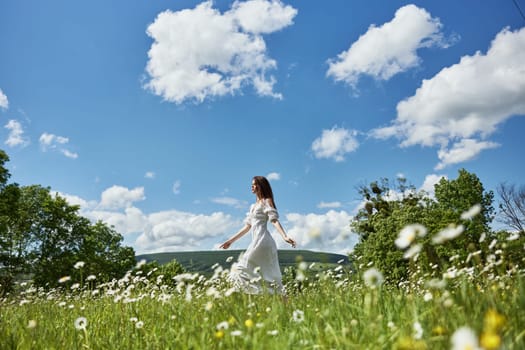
{"x": 263, "y": 189}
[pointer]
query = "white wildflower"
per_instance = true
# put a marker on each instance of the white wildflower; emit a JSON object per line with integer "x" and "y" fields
{"x": 418, "y": 330}
{"x": 448, "y": 233}
{"x": 373, "y": 278}
{"x": 64, "y": 279}
{"x": 222, "y": 325}
{"x": 464, "y": 338}
{"x": 298, "y": 316}
{"x": 473, "y": 211}
{"x": 412, "y": 251}
{"x": 81, "y": 323}
{"x": 236, "y": 333}
{"x": 139, "y": 324}
{"x": 482, "y": 237}
{"x": 299, "y": 276}
{"x": 208, "y": 306}
{"x": 408, "y": 234}
{"x": 140, "y": 263}
{"x": 79, "y": 265}
{"x": 273, "y": 332}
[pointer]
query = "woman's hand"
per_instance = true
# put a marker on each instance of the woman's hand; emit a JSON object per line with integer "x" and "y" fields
{"x": 225, "y": 245}
{"x": 291, "y": 241}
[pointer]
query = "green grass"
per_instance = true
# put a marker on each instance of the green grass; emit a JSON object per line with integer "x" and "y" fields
{"x": 336, "y": 310}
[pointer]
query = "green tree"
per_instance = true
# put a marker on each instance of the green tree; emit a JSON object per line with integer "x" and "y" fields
{"x": 453, "y": 198}
{"x": 43, "y": 235}
{"x": 100, "y": 248}
{"x": 62, "y": 238}
{"x": 388, "y": 209}
{"x": 12, "y": 240}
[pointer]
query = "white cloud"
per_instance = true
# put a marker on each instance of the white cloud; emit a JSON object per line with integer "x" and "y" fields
{"x": 51, "y": 141}
{"x": 262, "y": 16}
{"x": 273, "y": 176}
{"x": 16, "y": 134}
{"x": 117, "y": 197}
{"x": 149, "y": 175}
{"x": 176, "y": 230}
{"x": 335, "y": 143}
{"x": 54, "y": 142}
{"x": 229, "y": 201}
{"x": 169, "y": 230}
{"x": 461, "y": 151}
{"x": 323, "y": 205}
{"x": 385, "y": 51}
{"x": 200, "y": 53}
{"x": 176, "y": 187}
{"x": 464, "y": 103}
{"x": 328, "y": 232}
{"x": 131, "y": 220}
{"x": 4, "y": 103}
{"x": 430, "y": 181}
{"x": 69, "y": 154}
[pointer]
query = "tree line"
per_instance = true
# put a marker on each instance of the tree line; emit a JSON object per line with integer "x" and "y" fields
{"x": 43, "y": 237}
{"x": 454, "y": 224}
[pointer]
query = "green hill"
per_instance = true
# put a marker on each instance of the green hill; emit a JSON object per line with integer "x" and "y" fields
{"x": 202, "y": 261}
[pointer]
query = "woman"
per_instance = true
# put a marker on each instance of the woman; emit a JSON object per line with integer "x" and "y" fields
{"x": 258, "y": 268}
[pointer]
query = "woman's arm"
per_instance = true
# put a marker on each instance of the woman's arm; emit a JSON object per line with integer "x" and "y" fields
{"x": 238, "y": 235}
{"x": 280, "y": 228}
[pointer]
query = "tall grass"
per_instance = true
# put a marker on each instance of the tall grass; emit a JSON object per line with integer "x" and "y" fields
{"x": 335, "y": 309}
{"x": 474, "y": 304}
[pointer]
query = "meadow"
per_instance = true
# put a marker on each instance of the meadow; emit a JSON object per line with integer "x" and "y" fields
{"x": 468, "y": 307}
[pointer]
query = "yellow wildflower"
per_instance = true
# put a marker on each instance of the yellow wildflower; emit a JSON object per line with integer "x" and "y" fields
{"x": 248, "y": 323}
{"x": 493, "y": 321}
{"x": 438, "y": 330}
{"x": 490, "y": 341}
{"x": 219, "y": 334}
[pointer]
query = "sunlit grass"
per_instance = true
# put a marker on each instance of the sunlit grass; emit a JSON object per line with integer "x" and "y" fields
{"x": 472, "y": 304}
{"x": 332, "y": 310}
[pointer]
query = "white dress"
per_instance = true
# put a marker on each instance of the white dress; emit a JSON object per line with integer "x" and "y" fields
{"x": 257, "y": 270}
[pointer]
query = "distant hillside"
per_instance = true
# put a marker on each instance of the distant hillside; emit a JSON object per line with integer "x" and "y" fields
{"x": 202, "y": 261}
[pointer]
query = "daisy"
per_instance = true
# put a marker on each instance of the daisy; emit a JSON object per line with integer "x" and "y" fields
{"x": 373, "y": 278}
{"x": 81, "y": 323}
{"x": 464, "y": 338}
{"x": 222, "y": 325}
{"x": 298, "y": 316}
{"x": 64, "y": 279}
{"x": 79, "y": 265}
{"x": 473, "y": 211}
{"x": 408, "y": 234}
{"x": 448, "y": 233}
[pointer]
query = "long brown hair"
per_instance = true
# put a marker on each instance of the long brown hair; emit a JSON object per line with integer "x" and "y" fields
{"x": 263, "y": 189}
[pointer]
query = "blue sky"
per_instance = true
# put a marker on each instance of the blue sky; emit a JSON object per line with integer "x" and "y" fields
{"x": 154, "y": 115}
